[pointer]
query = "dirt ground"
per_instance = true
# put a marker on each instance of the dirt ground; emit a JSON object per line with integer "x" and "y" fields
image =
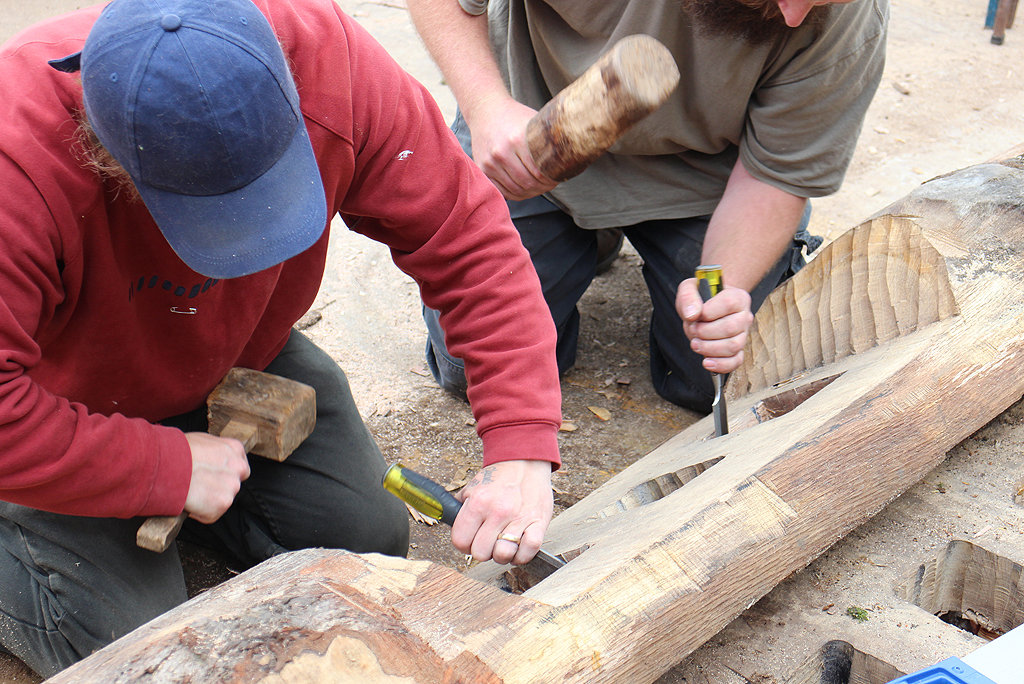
{"x": 949, "y": 99}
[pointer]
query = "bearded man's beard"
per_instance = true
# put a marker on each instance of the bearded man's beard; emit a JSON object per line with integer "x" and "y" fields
{"x": 757, "y": 22}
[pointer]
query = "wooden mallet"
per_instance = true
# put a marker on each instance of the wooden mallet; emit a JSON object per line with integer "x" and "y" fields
{"x": 589, "y": 115}
{"x": 268, "y": 414}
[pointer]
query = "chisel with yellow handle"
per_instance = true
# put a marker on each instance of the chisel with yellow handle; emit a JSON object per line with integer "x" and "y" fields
{"x": 433, "y": 500}
{"x": 709, "y": 283}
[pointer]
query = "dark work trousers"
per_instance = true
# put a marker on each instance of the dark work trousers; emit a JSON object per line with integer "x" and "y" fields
{"x": 70, "y": 585}
{"x": 565, "y": 257}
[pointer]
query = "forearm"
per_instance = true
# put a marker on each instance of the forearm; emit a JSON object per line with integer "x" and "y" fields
{"x": 751, "y": 228}
{"x": 459, "y": 44}
{"x": 58, "y": 457}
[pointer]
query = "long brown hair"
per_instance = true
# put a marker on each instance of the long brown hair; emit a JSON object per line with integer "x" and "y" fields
{"x": 98, "y": 158}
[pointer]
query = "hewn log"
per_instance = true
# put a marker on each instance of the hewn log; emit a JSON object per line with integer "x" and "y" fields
{"x": 896, "y": 343}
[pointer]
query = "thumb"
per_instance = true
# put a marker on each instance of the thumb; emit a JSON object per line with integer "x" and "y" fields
{"x": 689, "y": 303}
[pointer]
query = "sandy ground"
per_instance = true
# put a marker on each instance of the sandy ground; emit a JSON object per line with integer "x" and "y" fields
{"x": 949, "y": 99}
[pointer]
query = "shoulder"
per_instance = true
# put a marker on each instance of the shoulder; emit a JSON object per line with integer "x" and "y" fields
{"x": 58, "y": 36}
{"x": 38, "y": 107}
{"x": 850, "y": 38}
{"x": 330, "y": 54}
{"x": 312, "y": 27}
{"x": 855, "y": 23}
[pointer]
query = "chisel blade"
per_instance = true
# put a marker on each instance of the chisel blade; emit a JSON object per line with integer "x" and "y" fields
{"x": 718, "y": 408}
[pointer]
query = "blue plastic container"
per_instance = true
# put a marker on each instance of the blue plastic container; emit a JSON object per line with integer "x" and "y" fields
{"x": 949, "y": 671}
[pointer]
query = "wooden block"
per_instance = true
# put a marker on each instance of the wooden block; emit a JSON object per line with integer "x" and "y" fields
{"x": 268, "y": 414}
{"x": 283, "y": 411}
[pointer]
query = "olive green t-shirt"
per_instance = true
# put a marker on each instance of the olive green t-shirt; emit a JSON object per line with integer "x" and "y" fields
{"x": 791, "y": 109}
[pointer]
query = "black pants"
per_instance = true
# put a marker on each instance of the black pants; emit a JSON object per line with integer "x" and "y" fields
{"x": 70, "y": 585}
{"x": 565, "y": 257}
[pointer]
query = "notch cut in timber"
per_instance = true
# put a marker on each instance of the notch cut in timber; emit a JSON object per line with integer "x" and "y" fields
{"x": 968, "y": 585}
{"x": 773, "y": 406}
{"x": 878, "y": 282}
{"x": 661, "y": 486}
{"x": 928, "y": 346}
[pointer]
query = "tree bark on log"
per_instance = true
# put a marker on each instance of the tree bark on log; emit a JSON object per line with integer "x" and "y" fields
{"x": 901, "y": 339}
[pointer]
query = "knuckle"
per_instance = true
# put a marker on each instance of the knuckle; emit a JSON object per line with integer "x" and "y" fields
{"x": 503, "y": 509}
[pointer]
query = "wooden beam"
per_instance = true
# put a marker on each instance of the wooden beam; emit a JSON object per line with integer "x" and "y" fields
{"x": 900, "y": 340}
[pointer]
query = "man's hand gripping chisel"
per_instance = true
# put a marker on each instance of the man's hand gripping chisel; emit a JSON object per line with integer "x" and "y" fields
{"x": 431, "y": 499}
{"x": 709, "y": 283}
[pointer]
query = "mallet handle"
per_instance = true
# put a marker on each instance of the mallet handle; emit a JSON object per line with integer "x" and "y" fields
{"x": 157, "y": 533}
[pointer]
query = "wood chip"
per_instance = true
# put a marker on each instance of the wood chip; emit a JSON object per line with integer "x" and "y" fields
{"x": 602, "y": 413}
{"x": 461, "y": 479}
{"x": 309, "y": 320}
{"x": 566, "y": 426}
{"x": 419, "y": 517}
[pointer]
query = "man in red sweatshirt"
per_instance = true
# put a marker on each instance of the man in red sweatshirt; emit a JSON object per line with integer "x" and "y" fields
{"x": 167, "y": 178}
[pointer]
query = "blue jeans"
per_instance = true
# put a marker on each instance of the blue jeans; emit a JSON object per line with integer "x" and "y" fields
{"x": 70, "y": 585}
{"x": 565, "y": 257}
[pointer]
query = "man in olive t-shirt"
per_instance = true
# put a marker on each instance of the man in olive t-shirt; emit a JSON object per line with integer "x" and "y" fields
{"x": 770, "y": 103}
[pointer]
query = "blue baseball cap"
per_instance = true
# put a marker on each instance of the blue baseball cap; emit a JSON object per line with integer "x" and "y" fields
{"x": 195, "y": 99}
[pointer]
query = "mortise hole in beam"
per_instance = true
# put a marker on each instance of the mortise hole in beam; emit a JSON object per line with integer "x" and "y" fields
{"x": 518, "y": 579}
{"x": 782, "y": 403}
{"x": 656, "y": 489}
{"x": 838, "y": 662}
{"x": 659, "y": 487}
{"x": 969, "y": 587}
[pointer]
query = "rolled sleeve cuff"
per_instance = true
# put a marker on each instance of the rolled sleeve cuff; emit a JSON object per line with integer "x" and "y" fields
{"x": 173, "y": 475}
{"x": 528, "y": 442}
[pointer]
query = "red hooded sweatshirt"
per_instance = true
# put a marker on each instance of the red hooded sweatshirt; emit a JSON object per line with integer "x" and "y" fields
{"x": 104, "y": 330}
